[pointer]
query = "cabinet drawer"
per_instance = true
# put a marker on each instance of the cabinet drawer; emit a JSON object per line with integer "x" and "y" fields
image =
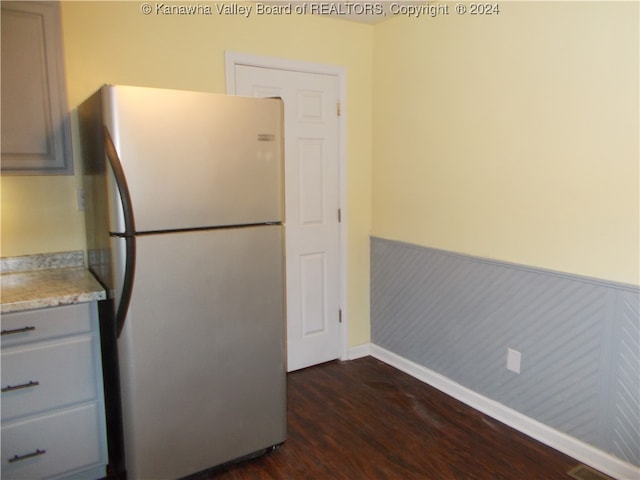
{"x": 65, "y": 373}
{"x": 36, "y": 325}
{"x": 71, "y": 441}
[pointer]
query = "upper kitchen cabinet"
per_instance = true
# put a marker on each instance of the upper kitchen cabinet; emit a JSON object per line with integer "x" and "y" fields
{"x": 36, "y": 137}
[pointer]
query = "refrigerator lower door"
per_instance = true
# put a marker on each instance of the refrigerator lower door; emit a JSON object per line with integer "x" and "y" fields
{"x": 202, "y": 355}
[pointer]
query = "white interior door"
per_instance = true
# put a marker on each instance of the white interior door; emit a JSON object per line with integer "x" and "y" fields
{"x": 311, "y": 205}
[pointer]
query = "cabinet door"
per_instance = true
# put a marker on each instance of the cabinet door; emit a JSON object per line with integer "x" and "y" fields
{"x": 35, "y": 114}
{"x": 48, "y": 376}
{"x": 54, "y": 446}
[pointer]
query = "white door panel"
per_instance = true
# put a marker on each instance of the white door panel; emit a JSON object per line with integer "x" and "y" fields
{"x": 311, "y": 207}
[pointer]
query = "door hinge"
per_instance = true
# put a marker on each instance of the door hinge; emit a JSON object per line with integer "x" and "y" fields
{"x": 339, "y": 215}
{"x": 338, "y": 108}
{"x": 340, "y": 315}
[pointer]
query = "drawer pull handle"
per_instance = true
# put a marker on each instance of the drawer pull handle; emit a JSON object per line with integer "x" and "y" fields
{"x": 11, "y": 388}
{"x": 17, "y": 330}
{"x": 17, "y": 458}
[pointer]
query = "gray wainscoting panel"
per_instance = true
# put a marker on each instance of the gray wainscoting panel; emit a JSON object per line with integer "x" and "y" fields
{"x": 626, "y": 375}
{"x": 579, "y": 338}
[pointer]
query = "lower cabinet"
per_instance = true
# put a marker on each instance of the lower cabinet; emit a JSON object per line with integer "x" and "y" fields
{"x": 53, "y": 421}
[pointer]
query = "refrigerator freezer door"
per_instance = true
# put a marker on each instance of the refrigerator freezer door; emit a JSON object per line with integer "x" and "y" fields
{"x": 196, "y": 159}
{"x": 202, "y": 351}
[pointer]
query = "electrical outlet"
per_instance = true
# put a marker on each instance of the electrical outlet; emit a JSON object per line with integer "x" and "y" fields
{"x": 513, "y": 360}
{"x": 80, "y": 199}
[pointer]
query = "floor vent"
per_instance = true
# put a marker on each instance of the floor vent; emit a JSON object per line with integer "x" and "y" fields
{"x": 583, "y": 472}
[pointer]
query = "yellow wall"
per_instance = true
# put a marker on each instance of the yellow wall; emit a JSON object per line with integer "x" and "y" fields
{"x": 39, "y": 215}
{"x": 512, "y": 137}
{"x": 113, "y": 42}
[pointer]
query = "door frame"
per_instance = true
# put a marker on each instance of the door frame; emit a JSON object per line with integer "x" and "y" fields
{"x": 236, "y": 58}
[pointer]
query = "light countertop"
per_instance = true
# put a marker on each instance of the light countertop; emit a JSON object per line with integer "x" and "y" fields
{"x": 50, "y": 280}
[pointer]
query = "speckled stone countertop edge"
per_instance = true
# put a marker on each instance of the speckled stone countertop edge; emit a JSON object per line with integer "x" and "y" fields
{"x": 48, "y": 280}
{"x": 42, "y": 261}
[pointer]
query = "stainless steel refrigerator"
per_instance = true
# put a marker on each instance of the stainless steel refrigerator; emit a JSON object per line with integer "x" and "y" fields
{"x": 184, "y": 215}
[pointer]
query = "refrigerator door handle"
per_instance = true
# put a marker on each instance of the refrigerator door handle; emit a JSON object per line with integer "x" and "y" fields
{"x": 129, "y": 230}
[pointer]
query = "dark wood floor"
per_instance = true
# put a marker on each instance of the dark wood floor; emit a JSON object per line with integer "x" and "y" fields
{"x": 366, "y": 420}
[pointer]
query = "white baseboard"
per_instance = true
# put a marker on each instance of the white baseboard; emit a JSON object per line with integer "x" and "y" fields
{"x": 562, "y": 442}
{"x": 359, "y": 351}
